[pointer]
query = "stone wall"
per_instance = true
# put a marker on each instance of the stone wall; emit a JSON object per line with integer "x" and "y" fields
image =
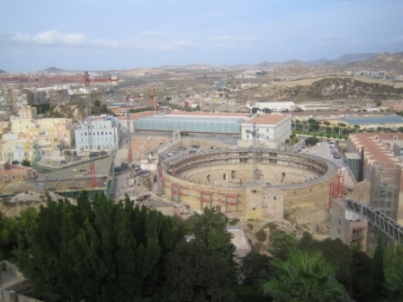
{"x": 298, "y": 185}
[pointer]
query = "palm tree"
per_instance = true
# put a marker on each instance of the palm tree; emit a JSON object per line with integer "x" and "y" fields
{"x": 304, "y": 277}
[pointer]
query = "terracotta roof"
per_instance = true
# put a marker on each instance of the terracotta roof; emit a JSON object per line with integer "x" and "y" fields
{"x": 198, "y": 113}
{"x": 135, "y": 116}
{"x": 268, "y": 119}
{"x": 374, "y": 150}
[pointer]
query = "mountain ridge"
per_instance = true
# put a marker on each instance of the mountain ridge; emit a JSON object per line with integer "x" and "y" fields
{"x": 389, "y": 62}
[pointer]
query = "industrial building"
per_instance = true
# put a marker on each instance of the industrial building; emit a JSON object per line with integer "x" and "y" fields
{"x": 275, "y": 106}
{"x": 373, "y": 122}
{"x": 235, "y": 128}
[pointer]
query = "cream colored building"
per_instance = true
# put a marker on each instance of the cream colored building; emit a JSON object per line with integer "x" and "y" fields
{"x": 29, "y": 135}
{"x": 269, "y": 129}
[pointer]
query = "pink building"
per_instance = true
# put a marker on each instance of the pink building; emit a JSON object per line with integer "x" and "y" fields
{"x": 15, "y": 172}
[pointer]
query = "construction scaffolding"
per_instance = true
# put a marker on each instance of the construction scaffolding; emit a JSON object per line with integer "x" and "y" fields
{"x": 385, "y": 188}
{"x": 384, "y": 196}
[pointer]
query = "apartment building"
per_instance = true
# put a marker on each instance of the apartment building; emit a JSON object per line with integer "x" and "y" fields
{"x": 31, "y": 137}
{"x": 98, "y": 133}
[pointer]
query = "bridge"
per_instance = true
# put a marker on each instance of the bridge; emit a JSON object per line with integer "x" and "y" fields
{"x": 386, "y": 224}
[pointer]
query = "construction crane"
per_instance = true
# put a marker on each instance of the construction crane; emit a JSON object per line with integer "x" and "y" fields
{"x": 129, "y": 138}
{"x": 152, "y": 102}
{"x": 93, "y": 180}
{"x": 37, "y": 154}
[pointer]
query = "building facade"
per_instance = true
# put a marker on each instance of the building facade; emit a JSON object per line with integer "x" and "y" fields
{"x": 270, "y": 129}
{"x": 9, "y": 172}
{"x": 97, "y": 133}
{"x": 347, "y": 226}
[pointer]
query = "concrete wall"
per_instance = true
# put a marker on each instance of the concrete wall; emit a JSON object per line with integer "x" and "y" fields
{"x": 9, "y": 291}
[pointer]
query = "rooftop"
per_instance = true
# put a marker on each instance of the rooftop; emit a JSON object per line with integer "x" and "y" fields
{"x": 373, "y": 120}
{"x": 268, "y": 119}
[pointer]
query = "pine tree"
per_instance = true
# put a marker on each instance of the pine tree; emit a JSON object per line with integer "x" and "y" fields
{"x": 378, "y": 276}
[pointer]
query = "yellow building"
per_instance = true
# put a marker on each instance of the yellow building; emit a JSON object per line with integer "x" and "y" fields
{"x": 28, "y": 134}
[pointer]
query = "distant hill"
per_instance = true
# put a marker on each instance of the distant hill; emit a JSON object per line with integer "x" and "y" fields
{"x": 349, "y": 88}
{"x": 349, "y": 58}
{"x": 2, "y": 71}
{"x": 391, "y": 63}
{"x": 55, "y": 70}
{"x": 344, "y": 88}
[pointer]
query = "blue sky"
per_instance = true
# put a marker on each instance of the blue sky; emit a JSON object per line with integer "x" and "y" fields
{"x": 126, "y": 34}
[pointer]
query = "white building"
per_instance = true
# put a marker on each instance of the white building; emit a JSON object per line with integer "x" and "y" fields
{"x": 104, "y": 132}
{"x": 275, "y": 106}
{"x": 269, "y": 129}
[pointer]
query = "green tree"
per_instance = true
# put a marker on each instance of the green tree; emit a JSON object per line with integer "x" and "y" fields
{"x": 360, "y": 270}
{"x": 210, "y": 227}
{"x": 99, "y": 251}
{"x": 304, "y": 276}
{"x": 25, "y": 162}
{"x": 8, "y": 236}
{"x": 393, "y": 261}
{"x": 377, "y": 272}
{"x": 338, "y": 255}
{"x": 311, "y": 141}
{"x": 193, "y": 273}
{"x": 281, "y": 244}
{"x": 256, "y": 268}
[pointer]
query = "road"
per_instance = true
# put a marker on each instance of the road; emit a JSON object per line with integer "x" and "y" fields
{"x": 324, "y": 151}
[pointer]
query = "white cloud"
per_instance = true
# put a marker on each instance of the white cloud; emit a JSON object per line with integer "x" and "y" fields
{"x": 146, "y": 40}
{"x": 48, "y": 38}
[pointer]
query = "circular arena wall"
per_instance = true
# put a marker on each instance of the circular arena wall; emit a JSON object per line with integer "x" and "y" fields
{"x": 255, "y": 183}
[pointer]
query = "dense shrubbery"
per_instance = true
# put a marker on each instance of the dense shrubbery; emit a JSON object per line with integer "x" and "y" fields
{"x": 106, "y": 251}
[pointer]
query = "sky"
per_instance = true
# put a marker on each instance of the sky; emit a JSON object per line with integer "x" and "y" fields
{"x": 127, "y": 34}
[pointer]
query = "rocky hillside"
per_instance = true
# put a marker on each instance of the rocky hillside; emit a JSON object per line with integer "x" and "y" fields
{"x": 324, "y": 89}
{"x": 74, "y": 111}
{"x": 391, "y": 63}
{"x": 346, "y": 88}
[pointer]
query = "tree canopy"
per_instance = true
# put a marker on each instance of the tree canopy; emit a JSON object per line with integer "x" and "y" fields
{"x": 304, "y": 276}
{"x": 97, "y": 251}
